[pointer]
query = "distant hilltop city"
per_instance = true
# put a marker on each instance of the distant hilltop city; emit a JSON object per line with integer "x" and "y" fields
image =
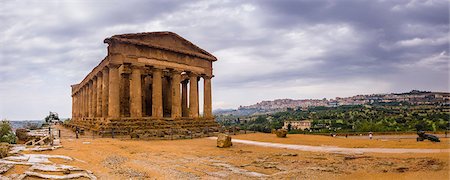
{"x": 414, "y": 97}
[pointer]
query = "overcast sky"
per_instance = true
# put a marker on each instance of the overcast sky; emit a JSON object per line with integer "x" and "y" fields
{"x": 265, "y": 49}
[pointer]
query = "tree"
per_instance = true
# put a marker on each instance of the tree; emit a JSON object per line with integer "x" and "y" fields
{"x": 51, "y": 116}
{"x": 6, "y": 133}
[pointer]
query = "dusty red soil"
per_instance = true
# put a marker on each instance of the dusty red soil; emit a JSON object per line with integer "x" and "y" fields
{"x": 200, "y": 158}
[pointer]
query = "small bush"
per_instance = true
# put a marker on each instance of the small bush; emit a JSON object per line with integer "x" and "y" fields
{"x": 6, "y": 133}
{"x": 22, "y": 134}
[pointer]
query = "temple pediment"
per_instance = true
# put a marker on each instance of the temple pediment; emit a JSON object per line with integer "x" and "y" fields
{"x": 162, "y": 40}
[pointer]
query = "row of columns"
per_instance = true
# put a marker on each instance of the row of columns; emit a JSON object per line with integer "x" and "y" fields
{"x": 100, "y": 96}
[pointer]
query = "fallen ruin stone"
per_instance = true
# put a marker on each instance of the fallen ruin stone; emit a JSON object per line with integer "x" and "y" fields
{"x": 54, "y": 168}
{"x": 355, "y": 157}
{"x": 5, "y": 167}
{"x": 4, "y": 149}
{"x": 69, "y": 176}
{"x": 402, "y": 169}
{"x": 224, "y": 140}
{"x": 288, "y": 154}
{"x": 281, "y": 133}
{"x": 33, "y": 158}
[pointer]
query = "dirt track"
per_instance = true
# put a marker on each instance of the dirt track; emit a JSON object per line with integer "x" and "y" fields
{"x": 332, "y": 149}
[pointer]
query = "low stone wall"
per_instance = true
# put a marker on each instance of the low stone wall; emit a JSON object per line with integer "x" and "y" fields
{"x": 149, "y": 128}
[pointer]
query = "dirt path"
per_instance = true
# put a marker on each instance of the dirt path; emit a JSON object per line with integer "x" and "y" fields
{"x": 336, "y": 149}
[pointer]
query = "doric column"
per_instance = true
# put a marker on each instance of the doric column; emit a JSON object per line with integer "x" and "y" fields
{"x": 99, "y": 95}
{"x": 147, "y": 106}
{"x": 73, "y": 105}
{"x": 81, "y": 102}
{"x": 184, "y": 99}
{"x": 105, "y": 92}
{"x": 157, "y": 109}
{"x": 207, "y": 98}
{"x": 88, "y": 99}
{"x": 135, "y": 92}
{"x": 78, "y": 103}
{"x": 91, "y": 98}
{"x": 85, "y": 101}
{"x": 193, "y": 95}
{"x": 113, "y": 99}
{"x": 94, "y": 97}
{"x": 176, "y": 95}
{"x": 75, "y": 108}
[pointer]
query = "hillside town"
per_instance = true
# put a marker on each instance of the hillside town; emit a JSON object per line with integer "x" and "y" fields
{"x": 414, "y": 97}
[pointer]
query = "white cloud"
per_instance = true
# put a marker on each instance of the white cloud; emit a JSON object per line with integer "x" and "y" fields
{"x": 423, "y": 41}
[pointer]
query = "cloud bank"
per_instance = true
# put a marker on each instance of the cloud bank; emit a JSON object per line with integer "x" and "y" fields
{"x": 266, "y": 49}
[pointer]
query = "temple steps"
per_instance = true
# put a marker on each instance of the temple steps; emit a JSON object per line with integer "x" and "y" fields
{"x": 149, "y": 128}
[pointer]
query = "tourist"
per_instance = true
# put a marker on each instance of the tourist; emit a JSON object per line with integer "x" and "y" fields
{"x": 370, "y": 135}
{"x": 76, "y": 132}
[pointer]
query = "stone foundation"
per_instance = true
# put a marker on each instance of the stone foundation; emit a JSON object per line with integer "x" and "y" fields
{"x": 149, "y": 128}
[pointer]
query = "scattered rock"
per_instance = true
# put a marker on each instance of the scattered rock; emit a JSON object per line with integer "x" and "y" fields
{"x": 402, "y": 169}
{"x": 242, "y": 151}
{"x": 355, "y": 157}
{"x": 289, "y": 154}
{"x": 324, "y": 169}
{"x": 281, "y": 133}
{"x": 4, "y": 149}
{"x": 134, "y": 135}
{"x": 224, "y": 140}
{"x": 386, "y": 163}
{"x": 5, "y": 167}
{"x": 114, "y": 162}
{"x": 131, "y": 173}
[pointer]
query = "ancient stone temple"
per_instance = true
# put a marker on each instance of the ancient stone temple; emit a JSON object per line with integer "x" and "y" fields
{"x": 147, "y": 86}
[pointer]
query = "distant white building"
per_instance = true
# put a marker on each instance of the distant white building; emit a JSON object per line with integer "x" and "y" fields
{"x": 303, "y": 124}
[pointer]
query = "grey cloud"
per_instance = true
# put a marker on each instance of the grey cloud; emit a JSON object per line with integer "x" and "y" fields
{"x": 48, "y": 45}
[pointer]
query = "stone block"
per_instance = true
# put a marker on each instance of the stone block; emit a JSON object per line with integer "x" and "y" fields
{"x": 281, "y": 133}
{"x": 4, "y": 149}
{"x": 224, "y": 141}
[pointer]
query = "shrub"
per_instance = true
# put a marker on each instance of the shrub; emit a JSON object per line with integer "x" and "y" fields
{"x": 22, "y": 134}
{"x": 6, "y": 133}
